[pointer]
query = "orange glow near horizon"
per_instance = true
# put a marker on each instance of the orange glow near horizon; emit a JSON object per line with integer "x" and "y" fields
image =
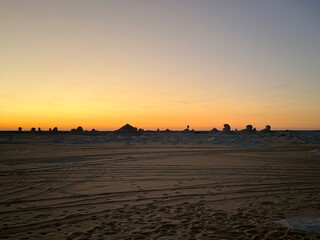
{"x": 132, "y": 100}
{"x": 148, "y": 120}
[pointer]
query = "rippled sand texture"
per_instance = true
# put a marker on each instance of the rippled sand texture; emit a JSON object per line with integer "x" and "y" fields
{"x": 156, "y": 191}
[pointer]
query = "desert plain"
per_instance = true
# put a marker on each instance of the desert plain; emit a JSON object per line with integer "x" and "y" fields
{"x": 160, "y": 186}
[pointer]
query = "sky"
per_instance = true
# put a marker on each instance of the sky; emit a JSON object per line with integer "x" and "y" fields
{"x": 159, "y": 64}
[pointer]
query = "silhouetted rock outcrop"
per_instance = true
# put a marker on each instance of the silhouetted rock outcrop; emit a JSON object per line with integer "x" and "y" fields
{"x": 187, "y": 129}
{"x": 55, "y": 129}
{"x": 267, "y": 129}
{"x": 249, "y": 129}
{"x": 127, "y": 129}
{"x": 214, "y": 130}
{"x": 226, "y": 128}
{"x": 79, "y": 129}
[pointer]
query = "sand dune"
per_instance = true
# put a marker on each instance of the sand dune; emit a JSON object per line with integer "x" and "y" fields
{"x": 156, "y": 186}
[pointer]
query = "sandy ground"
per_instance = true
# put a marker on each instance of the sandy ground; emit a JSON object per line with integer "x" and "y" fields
{"x": 156, "y": 189}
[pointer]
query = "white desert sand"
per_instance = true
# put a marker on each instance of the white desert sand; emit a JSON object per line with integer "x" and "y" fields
{"x": 159, "y": 186}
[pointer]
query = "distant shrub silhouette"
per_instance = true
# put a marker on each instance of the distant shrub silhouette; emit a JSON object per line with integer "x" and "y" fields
{"x": 226, "y": 128}
{"x": 20, "y": 129}
{"x": 93, "y": 130}
{"x": 33, "y": 129}
{"x": 39, "y": 129}
{"x": 55, "y": 129}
